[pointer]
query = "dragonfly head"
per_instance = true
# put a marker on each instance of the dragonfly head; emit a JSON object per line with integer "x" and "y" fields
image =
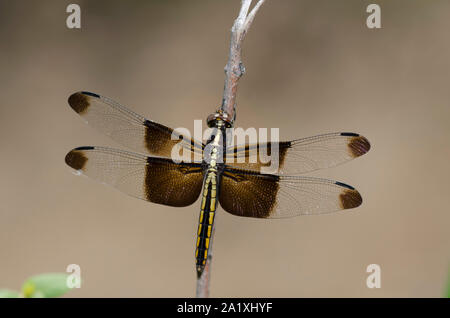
{"x": 218, "y": 116}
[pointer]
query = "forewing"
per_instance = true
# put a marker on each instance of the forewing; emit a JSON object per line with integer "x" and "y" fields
{"x": 130, "y": 129}
{"x": 298, "y": 156}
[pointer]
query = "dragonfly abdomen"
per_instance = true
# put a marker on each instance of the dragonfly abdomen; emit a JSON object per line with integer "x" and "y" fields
{"x": 206, "y": 220}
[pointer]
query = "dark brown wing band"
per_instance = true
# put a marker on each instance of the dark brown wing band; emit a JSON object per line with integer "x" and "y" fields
{"x": 172, "y": 184}
{"x": 158, "y": 140}
{"x": 247, "y": 193}
{"x": 257, "y": 152}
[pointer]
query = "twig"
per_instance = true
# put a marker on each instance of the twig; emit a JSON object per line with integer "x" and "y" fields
{"x": 234, "y": 68}
{"x": 233, "y": 72}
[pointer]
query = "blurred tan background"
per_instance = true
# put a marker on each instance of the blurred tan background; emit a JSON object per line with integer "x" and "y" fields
{"x": 312, "y": 67}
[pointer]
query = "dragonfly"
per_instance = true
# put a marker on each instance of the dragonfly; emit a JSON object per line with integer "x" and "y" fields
{"x": 238, "y": 186}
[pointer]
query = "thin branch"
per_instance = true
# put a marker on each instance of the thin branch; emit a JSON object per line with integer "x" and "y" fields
{"x": 240, "y": 20}
{"x": 235, "y": 68}
{"x": 251, "y": 16}
{"x": 233, "y": 72}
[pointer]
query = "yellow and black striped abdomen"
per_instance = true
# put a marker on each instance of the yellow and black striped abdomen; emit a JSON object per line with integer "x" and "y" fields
{"x": 206, "y": 220}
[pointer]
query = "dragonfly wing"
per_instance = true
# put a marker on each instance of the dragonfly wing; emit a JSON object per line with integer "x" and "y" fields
{"x": 158, "y": 180}
{"x": 252, "y": 194}
{"x": 298, "y": 156}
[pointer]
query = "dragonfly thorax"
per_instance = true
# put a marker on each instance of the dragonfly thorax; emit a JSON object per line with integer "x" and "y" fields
{"x": 214, "y": 149}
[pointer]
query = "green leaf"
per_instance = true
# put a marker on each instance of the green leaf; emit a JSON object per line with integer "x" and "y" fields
{"x": 46, "y": 286}
{"x": 448, "y": 287}
{"x": 6, "y": 293}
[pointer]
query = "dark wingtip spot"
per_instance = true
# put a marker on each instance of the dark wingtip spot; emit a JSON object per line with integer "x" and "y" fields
{"x": 350, "y": 199}
{"x": 79, "y": 102}
{"x": 349, "y": 134}
{"x": 344, "y": 185}
{"x": 76, "y": 159}
{"x": 358, "y": 146}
